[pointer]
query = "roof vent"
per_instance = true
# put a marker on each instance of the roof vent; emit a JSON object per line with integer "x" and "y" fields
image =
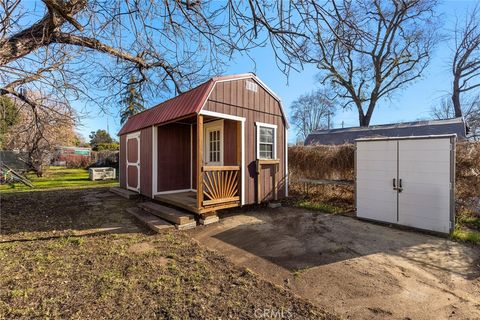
{"x": 251, "y": 86}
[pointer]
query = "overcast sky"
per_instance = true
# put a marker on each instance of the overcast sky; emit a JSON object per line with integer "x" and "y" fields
{"x": 410, "y": 104}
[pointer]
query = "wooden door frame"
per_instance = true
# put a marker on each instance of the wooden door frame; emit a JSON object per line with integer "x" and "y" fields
{"x": 243, "y": 168}
{"x": 134, "y": 135}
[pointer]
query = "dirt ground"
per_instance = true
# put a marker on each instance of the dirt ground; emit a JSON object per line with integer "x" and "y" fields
{"x": 77, "y": 254}
{"x": 359, "y": 269}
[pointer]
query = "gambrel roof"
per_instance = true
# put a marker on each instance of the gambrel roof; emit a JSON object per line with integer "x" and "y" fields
{"x": 186, "y": 104}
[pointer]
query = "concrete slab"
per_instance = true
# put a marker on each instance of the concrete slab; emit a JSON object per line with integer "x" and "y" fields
{"x": 209, "y": 220}
{"x": 274, "y": 205}
{"x": 167, "y": 213}
{"x": 153, "y": 222}
{"x": 359, "y": 269}
{"x": 127, "y": 194}
{"x": 186, "y": 226}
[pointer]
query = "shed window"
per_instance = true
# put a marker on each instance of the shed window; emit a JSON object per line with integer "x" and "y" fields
{"x": 214, "y": 146}
{"x": 266, "y": 141}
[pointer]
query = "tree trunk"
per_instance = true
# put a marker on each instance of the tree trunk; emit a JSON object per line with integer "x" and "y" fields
{"x": 364, "y": 119}
{"x": 457, "y": 106}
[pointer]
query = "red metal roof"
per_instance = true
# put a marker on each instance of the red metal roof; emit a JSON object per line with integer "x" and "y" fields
{"x": 187, "y": 103}
{"x": 183, "y": 105}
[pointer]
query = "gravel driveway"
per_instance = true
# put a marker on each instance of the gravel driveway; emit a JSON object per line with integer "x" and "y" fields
{"x": 356, "y": 268}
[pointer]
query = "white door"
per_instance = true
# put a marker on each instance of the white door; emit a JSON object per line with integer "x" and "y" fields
{"x": 376, "y": 171}
{"x": 425, "y": 172}
{"x": 213, "y": 154}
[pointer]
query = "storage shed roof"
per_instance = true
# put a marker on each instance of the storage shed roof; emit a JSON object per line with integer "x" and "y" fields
{"x": 186, "y": 104}
{"x": 406, "y": 129}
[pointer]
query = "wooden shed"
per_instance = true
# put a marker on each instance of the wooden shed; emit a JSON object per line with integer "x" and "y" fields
{"x": 222, "y": 144}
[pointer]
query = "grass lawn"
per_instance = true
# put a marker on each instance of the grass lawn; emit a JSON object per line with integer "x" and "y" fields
{"x": 319, "y": 206}
{"x": 467, "y": 229}
{"x": 77, "y": 254}
{"x": 59, "y": 177}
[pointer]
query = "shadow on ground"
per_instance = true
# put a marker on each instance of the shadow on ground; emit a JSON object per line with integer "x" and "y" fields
{"x": 360, "y": 269}
{"x": 49, "y": 214}
{"x": 299, "y": 239}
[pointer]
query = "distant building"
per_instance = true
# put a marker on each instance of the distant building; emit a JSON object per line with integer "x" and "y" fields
{"x": 405, "y": 129}
{"x": 64, "y": 154}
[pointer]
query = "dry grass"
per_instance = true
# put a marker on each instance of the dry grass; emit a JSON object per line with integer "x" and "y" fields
{"x": 468, "y": 177}
{"x": 322, "y": 162}
{"x": 56, "y": 264}
{"x": 324, "y": 198}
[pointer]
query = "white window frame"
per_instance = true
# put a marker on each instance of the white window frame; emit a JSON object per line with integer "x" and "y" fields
{"x": 258, "y": 125}
{"x": 212, "y": 125}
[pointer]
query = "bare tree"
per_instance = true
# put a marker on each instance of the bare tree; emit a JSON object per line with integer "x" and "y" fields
{"x": 77, "y": 45}
{"x": 37, "y": 137}
{"x": 78, "y": 49}
{"x": 466, "y": 61}
{"x": 312, "y": 111}
{"x": 443, "y": 111}
{"x": 89, "y": 50}
{"x": 365, "y": 49}
{"x": 470, "y": 112}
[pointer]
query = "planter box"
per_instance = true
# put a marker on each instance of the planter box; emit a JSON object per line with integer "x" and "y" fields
{"x": 105, "y": 173}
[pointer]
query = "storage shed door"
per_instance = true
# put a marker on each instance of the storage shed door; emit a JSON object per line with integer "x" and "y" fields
{"x": 407, "y": 181}
{"x": 376, "y": 168}
{"x": 133, "y": 161}
{"x": 425, "y": 170}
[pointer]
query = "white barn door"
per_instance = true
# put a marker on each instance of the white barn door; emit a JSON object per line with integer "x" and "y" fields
{"x": 425, "y": 171}
{"x": 376, "y": 168}
{"x": 407, "y": 181}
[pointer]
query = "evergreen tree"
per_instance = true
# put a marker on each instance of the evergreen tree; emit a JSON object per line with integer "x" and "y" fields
{"x": 132, "y": 101}
{"x": 9, "y": 117}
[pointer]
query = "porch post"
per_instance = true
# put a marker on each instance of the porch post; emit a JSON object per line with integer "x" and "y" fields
{"x": 199, "y": 161}
{"x": 239, "y": 158}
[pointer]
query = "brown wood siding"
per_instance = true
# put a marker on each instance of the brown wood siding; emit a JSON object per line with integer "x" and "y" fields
{"x": 174, "y": 164}
{"x": 229, "y": 143}
{"x": 233, "y": 98}
{"x": 122, "y": 162}
{"x": 146, "y": 162}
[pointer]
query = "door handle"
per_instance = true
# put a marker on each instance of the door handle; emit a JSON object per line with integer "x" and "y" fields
{"x": 400, "y": 187}
{"x": 394, "y": 184}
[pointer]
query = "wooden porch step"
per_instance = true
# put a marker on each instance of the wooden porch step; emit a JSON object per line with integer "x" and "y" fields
{"x": 153, "y": 222}
{"x": 170, "y": 214}
{"x": 127, "y": 194}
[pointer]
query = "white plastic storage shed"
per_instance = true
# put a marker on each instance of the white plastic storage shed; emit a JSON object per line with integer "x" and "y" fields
{"x": 408, "y": 181}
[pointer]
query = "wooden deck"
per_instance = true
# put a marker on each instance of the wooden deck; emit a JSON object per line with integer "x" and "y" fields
{"x": 188, "y": 201}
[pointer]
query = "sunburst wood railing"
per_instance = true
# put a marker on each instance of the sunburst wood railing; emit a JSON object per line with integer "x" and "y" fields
{"x": 220, "y": 184}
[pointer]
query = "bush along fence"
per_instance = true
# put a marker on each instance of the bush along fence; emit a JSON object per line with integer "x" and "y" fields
{"x": 326, "y": 174}
{"x": 105, "y": 158}
{"x": 321, "y": 177}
